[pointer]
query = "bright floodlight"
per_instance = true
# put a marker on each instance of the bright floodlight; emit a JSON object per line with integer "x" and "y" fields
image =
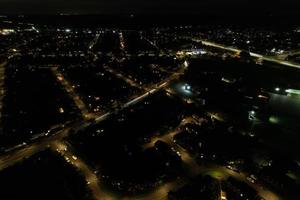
{"x": 186, "y": 88}
{"x": 252, "y": 112}
{"x": 277, "y": 89}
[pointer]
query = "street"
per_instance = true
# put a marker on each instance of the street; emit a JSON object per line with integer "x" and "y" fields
{"x": 255, "y": 55}
{"x": 2, "y": 89}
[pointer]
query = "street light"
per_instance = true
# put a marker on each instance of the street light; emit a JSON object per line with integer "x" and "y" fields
{"x": 251, "y": 115}
{"x": 187, "y": 88}
{"x": 186, "y": 64}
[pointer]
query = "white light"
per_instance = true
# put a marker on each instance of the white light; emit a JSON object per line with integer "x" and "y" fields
{"x": 252, "y": 112}
{"x": 68, "y": 30}
{"x": 187, "y": 87}
{"x": 186, "y": 64}
{"x": 277, "y": 89}
{"x": 293, "y": 91}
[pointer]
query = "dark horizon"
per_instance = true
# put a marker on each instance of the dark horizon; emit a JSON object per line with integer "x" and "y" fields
{"x": 146, "y": 20}
{"x": 213, "y": 7}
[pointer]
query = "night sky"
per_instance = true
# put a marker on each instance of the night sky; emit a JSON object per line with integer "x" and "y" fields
{"x": 227, "y": 7}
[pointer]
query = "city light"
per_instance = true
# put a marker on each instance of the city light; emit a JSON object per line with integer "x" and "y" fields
{"x": 251, "y": 115}
{"x": 186, "y": 64}
{"x": 6, "y": 31}
{"x": 292, "y": 91}
{"x": 186, "y": 89}
{"x": 274, "y": 120}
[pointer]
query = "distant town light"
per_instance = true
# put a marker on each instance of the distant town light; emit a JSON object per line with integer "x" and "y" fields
{"x": 61, "y": 110}
{"x": 6, "y": 31}
{"x": 273, "y": 120}
{"x": 251, "y": 115}
{"x": 67, "y": 30}
{"x": 293, "y": 91}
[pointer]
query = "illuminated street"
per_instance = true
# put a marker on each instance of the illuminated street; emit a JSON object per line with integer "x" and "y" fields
{"x": 91, "y": 179}
{"x": 119, "y": 75}
{"x": 255, "y": 55}
{"x": 71, "y": 91}
{"x": 2, "y": 90}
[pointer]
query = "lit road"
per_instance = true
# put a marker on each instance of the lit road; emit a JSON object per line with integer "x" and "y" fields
{"x": 2, "y": 89}
{"x": 161, "y": 192}
{"x": 284, "y": 55}
{"x": 151, "y": 43}
{"x": 192, "y": 167}
{"x": 71, "y": 92}
{"x": 28, "y": 150}
{"x": 169, "y": 137}
{"x": 122, "y": 42}
{"x": 94, "y": 41}
{"x": 121, "y": 76}
{"x": 11, "y": 159}
{"x": 145, "y": 95}
{"x": 90, "y": 177}
{"x": 255, "y": 55}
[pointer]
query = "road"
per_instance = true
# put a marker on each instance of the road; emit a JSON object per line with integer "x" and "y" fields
{"x": 91, "y": 178}
{"x": 255, "y": 55}
{"x": 72, "y": 93}
{"x": 94, "y": 41}
{"x": 2, "y": 89}
{"x": 284, "y": 55}
{"x": 26, "y": 151}
{"x": 121, "y": 76}
{"x": 122, "y": 41}
{"x": 151, "y": 43}
{"x": 161, "y": 192}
